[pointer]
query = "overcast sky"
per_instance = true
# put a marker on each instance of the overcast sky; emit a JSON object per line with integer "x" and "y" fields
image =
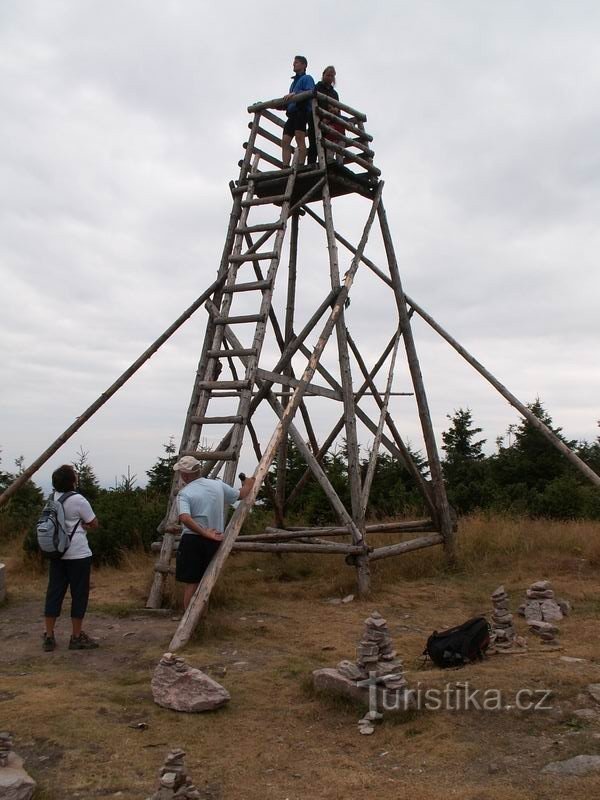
{"x": 122, "y": 124}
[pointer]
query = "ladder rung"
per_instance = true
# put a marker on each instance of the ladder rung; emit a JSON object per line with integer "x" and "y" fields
{"x": 232, "y": 420}
{"x": 265, "y": 201}
{"x": 252, "y": 257}
{"x": 242, "y": 351}
{"x": 265, "y": 156}
{"x": 239, "y": 320}
{"x": 251, "y": 286}
{"x": 265, "y": 226}
{"x": 224, "y": 384}
{"x": 214, "y": 455}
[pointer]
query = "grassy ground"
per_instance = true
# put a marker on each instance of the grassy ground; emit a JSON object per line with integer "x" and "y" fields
{"x": 271, "y": 623}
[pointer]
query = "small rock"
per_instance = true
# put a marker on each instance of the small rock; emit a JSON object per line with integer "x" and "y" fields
{"x": 572, "y": 660}
{"x": 586, "y": 713}
{"x": 348, "y": 599}
{"x": 594, "y": 690}
{"x": 366, "y": 730}
{"x": 579, "y": 765}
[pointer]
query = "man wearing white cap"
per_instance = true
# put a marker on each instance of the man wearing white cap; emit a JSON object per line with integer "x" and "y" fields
{"x": 201, "y": 505}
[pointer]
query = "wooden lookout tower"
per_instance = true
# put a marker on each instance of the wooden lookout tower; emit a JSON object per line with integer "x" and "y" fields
{"x": 255, "y": 358}
{"x": 235, "y": 374}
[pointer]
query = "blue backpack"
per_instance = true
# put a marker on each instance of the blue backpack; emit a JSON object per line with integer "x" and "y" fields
{"x": 51, "y": 528}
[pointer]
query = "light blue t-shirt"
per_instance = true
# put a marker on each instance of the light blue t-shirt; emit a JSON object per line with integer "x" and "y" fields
{"x": 204, "y": 500}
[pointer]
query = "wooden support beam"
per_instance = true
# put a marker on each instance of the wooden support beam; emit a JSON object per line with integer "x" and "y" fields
{"x": 277, "y": 377}
{"x": 514, "y": 401}
{"x": 280, "y": 102}
{"x": 298, "y": 547}
{"x": 405, "y": 547}
{"x": 443, "y": 516}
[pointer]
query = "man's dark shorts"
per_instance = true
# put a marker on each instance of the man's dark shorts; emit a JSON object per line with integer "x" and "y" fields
{"x": 193, "y": 557}
{"x": 296, "y": 121}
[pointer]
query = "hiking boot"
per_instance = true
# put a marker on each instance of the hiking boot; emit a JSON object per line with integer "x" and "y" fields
{"x": 82, "y": 642}
{"x": 49, "y": 643}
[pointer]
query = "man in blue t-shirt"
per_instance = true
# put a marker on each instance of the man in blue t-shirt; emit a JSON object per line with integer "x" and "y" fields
{"x": 201, "y": 509}
{"x": 297, "y": 113}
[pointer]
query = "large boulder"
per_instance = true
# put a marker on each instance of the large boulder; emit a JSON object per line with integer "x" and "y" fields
{"x": 178, "y": 686}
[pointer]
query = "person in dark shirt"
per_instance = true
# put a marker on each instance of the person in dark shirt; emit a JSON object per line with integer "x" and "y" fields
{"x": 327, "y": 86}
{"x": 297, "y": 113}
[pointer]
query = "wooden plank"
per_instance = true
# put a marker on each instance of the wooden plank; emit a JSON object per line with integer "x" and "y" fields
{"x": 239, "y": 320}
{"x": 249, "y": 286}
{"x": 278, "y": 377}
{"x": 331, "y": 101}
{"x": 348, "y": 156}
{"x": 279, "y": 102}
{"x": 344, "y": 122}
{"x": 298, "y": 547}
{"x": 263, "y": 226}
{"x": 210, "y": 455}
{"x": 276, "y": 162}
{"x": 347, "y": 140}
{"x": 243, "y": 257}
{"x": 265, "y": 201}
{"x": 224, "y": 384}
{"x": 242, "y": 351}
{"x": 232, "y": 420}
{"x": 405, "y": 547}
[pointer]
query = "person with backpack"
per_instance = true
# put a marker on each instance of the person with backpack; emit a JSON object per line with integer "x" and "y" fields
{"x": 70, "y": 558}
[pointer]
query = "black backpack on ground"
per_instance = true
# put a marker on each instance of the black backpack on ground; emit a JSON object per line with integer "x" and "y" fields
{"x": 458, "y": 646}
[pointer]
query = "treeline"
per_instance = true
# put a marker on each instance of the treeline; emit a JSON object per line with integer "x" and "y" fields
{"x": 526, "y": 476}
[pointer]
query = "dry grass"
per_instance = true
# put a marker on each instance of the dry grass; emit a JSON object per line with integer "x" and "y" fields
{"x": 269, "y": 626}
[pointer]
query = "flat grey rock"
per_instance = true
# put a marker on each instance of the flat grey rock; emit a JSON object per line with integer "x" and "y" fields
{"x": 594, "y": 690}
{"x": 186, "y": 689}
{"x": 15, "y": 782}
{"x": 330, "y": 680}
{"x": 589, "y": 714}
{"x": 579, "y": 765}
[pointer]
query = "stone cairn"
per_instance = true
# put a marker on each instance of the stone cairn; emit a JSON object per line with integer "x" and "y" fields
{"x": 542, "y": 609}
{"x": 376, "y": 658}
{"x": 503, "y": 631}
{"x": 173, "y": 780}
{"x": 6, "y": 746}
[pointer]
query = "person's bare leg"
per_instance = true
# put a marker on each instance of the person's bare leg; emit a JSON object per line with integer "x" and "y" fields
{"x": 76, "y": 624}
{"x": 50, "y": 622}
{"x": 301, "y": 143}
{"x": 188, "y": 593}
{"x": 286, "y": 149}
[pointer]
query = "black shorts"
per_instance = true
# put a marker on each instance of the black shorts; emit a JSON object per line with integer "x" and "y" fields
{"x": 296, "y": 121}
{"x": 194, "y": 554}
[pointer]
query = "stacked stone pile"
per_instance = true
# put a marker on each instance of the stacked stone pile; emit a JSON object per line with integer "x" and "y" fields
{"x": 375, "y": 656}
{"x": 545, "y": 630}
{"x": 503, "y": 631}
{"x": 6, "y": 746}
{"x": 173, "y": 781}
{"x": 542, "y": 605}
{"x": 378, "y": 667}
